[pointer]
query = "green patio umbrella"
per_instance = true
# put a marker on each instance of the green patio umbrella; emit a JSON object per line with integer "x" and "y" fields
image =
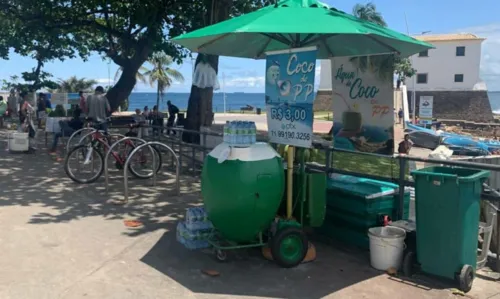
{"x": 299, "y": 23}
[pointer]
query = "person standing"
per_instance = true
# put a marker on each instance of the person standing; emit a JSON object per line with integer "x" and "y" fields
{"x": 405, "y": 145}
{"x": 23, "y": 111}
{"x": 98, "y": 108}
{"x": 48, "y": 104}
{"x": 40, "y": 108}
{"x": 157, "y": 121}
{"x": 3, "y": 111}
{"x": 12, "y": 103}
{"x": 172, "y": 114}
{"x": 82, "y": 103}
{"x": 400, "y": 115}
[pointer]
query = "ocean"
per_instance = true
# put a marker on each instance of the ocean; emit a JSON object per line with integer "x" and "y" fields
{"x": 495, "y": 101}
{"x": 234, "y": 101}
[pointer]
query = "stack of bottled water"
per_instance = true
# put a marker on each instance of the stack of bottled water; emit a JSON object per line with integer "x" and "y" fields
{"x": 195, "y": 231}
{"x": 240, "y": 133}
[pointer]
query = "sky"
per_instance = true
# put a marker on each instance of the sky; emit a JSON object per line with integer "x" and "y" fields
{"x": 247, "y": 75}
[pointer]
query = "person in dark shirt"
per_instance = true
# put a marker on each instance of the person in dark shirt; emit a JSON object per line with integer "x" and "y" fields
{"x": 405, "y": 145}
{"x": 172, "y": 114}
{"x": 68, "y": 128}
{"x": 400, "y": 115}
{"x": 157, "y": 121}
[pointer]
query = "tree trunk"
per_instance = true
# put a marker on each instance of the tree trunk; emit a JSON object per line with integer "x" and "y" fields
{"x": 200, "y": 110}
{"x": 130, "y": 66}
{"x": 122, "y": 89}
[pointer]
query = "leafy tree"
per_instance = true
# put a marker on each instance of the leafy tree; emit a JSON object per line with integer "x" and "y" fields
{"x": 368, "y": 12}
{"x": 127, "y": 32}
{"x": 162, "y": 74}
{"x": 41, "y": 45}
{"x": 74, "y": 84}
{"x": 200, "y": 110}
{"x": 32, "y": 81}
{"x": 403, "y": 68}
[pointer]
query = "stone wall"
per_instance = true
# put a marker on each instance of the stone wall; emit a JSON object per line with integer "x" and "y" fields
{"x": 323, "y": 101}
{"x": 461, "y": 105}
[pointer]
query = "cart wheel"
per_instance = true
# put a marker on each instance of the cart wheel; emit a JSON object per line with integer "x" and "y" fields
{"x": 221, "y": 255}
{"x": 466, "y": 277}
{"x": 289, "y": 247}
{"x": 408, "y": 262}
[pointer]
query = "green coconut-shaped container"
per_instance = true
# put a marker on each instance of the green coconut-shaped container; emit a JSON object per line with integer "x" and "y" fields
{"x": 242, "y": 190}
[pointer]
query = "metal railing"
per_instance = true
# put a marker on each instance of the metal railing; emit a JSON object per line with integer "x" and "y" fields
{"x": 188, "y": 154}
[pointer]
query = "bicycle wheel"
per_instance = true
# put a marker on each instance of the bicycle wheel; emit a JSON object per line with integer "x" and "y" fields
{"x": 139, "y": 165}
{"x": 93, "y": 160}
{"x": 74, "y": 139}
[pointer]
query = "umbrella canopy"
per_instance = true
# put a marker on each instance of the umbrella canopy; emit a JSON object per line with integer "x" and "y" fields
{"x": 299, "y": 23}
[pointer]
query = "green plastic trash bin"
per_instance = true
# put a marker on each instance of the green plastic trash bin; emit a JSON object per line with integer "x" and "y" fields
{"x": 447, "y": 212}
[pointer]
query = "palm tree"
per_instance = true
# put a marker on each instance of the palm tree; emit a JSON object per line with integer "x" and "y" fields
{"x": 368, "y": 13}
{"x": 73, "y": 84}
{"x": 162, "y": 74}
{"x": 139, "y": 76}
{"x": 402, "y": 66}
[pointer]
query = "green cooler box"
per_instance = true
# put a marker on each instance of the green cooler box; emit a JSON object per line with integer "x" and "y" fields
{"x": 356, "y": 204}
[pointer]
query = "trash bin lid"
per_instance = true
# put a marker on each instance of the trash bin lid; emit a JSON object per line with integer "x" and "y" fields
{"x": 459, "y": 173}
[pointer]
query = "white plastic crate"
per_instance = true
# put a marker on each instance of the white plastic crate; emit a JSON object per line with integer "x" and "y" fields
{"x": 18, "y": 142}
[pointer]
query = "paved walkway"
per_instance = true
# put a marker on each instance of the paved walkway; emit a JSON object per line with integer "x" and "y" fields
{"x": 62, "y": 240}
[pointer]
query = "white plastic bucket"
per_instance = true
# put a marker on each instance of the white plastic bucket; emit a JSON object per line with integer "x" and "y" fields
{"x": 386, "y": 247}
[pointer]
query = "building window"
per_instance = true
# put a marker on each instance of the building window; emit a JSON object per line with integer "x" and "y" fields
{"x": 424, "y": 53}
{"x": 421, "y": 78}
{"x": 459, "y": 78}
{"x": 460, "y": 51}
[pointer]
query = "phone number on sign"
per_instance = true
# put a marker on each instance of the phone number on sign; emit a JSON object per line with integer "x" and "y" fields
{"x": 291, "y": 135}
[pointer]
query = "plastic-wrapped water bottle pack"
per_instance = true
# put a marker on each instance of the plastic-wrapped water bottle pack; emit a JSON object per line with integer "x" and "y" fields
{"x": 240, "y": 133}
{"x": 195, "y": 231}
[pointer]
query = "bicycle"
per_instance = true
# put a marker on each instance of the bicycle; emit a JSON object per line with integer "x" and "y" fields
{"x": 92, "y": 152}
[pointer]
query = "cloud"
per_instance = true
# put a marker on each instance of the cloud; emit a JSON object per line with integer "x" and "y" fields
{"x": 255, "y": 79}
{"x": 105, "y": 81}
{"x": 490, "y": 60}
{"x": 246, "y": 82}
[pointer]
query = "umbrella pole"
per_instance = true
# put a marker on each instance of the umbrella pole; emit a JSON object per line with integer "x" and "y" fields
{"x": 289, "y": 187}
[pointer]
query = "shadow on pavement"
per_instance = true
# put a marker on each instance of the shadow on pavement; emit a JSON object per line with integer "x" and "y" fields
{"x": 39, "y": 180}
{"x": 247, "y": 273}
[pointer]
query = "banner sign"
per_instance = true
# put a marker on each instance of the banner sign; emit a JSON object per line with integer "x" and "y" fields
{"x": 290, "y": 96}
{"x": 58, "y": 99}
{"x": 363, "y": 103}
{"x": 425, "y": 109}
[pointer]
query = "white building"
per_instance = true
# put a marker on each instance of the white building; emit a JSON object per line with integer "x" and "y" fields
{"x": 452, "y": 65}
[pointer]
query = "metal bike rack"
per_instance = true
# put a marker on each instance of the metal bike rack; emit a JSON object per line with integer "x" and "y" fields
{"x": 177, "y": 166}
{"x": 106, "y": 158}
{"x": 76, "y": 133}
